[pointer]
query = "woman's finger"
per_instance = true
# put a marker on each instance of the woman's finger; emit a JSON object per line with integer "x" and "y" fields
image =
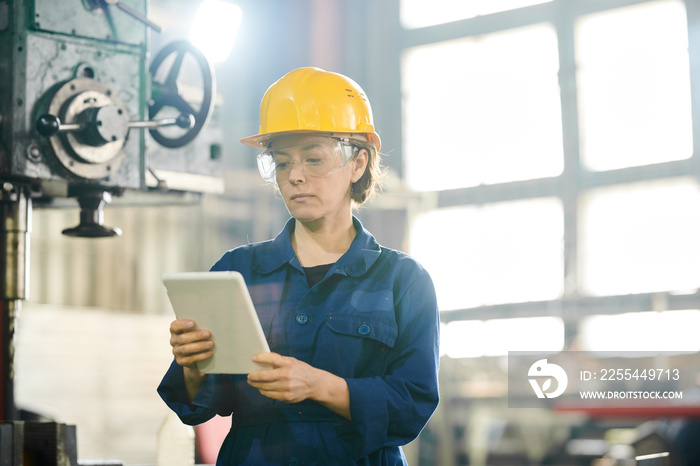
{"x": 189, "y": 337}
{"x": 193, "y": 348}
{"x": 187, "y": 355}
{"x": 269, "y": 359}
{"x": 182, "y": 325}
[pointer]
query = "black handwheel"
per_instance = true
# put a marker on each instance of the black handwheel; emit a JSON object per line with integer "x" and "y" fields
{"x": 168, "y": 94}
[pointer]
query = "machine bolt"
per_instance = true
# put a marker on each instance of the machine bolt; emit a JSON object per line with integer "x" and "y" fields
{"x": 33, "y": 151}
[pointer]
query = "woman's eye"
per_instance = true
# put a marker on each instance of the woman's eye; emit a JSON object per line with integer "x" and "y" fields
{"x": 281, "y": 165}
{"x": 314, "y": 161}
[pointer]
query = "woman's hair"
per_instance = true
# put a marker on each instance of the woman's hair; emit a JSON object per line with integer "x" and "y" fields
{"x": 370, "y": 182}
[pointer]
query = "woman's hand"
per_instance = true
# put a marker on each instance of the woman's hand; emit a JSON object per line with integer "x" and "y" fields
{"x": 190, "y": 345}
{"x": 287, "y": 379}
{"x": 292, "y": 381}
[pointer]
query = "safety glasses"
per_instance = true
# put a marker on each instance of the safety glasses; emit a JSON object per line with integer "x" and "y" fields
{"x": 316, "y": 157}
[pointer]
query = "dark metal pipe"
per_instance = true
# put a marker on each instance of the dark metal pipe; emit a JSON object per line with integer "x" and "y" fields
{"x": 15, "y": 229}
{"x": 10, "y": 311}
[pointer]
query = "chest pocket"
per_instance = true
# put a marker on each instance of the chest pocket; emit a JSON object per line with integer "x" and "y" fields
{"x": 367, "y": 326}
{"x": 357, "y": 345}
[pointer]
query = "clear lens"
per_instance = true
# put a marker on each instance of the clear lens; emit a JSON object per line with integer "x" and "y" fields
{"x": 266, "y": 167}
{"x": 316, "y": 158}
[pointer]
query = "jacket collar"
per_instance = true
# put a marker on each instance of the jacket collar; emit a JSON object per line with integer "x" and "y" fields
{"x": 357, "y": 260}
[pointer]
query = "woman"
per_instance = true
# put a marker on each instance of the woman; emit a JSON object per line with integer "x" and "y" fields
{"x": 352, "y": 326}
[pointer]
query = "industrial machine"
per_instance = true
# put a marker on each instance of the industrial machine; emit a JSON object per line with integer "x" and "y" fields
{"x": 87, "y": 114}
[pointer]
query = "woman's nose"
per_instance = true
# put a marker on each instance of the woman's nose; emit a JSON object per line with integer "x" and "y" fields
{"x": 296, "y": 172}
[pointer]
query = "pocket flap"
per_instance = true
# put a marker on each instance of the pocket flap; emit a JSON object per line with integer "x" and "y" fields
{"x": 382, "y": 330}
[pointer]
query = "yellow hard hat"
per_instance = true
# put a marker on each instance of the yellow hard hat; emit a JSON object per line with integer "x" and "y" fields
{"x": 312, "y": 99}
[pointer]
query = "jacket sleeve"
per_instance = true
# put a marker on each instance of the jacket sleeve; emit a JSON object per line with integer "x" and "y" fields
{"x": 393, "y": 409}
{"x": 209, "y": 401}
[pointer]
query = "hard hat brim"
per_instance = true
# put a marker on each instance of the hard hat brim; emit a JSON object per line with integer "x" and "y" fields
{"x": 262, "y": 139}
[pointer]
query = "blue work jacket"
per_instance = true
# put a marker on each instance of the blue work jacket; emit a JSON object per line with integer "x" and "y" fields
{"x": 372, "y": 320}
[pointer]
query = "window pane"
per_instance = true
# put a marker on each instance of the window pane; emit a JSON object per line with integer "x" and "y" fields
{"x": 420, "y": 13}
{"x": 633, "y": 83}
{"x": 653, "y": 331}
{"x": 640, "y": 238}
{"x": 498, "y": 253}
{"x": 476, "y": 338}
{"x": 482, "y": 110}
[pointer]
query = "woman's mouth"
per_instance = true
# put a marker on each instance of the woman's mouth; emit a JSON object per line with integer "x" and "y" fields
{"x": 301, "y": 197}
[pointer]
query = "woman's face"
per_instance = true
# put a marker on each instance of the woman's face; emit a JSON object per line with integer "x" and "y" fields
{"x": 310, "y": 192}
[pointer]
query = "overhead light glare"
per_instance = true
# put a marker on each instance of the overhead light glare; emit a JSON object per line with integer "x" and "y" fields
{"x": 215, "y": 28}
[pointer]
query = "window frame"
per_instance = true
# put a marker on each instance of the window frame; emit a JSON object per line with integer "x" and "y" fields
{"x": 391, "y": 39}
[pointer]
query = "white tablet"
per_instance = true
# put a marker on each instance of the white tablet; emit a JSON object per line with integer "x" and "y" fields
{"x": 220, "y": 303}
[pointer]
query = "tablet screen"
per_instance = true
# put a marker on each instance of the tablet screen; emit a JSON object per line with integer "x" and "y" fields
{"x": 220, "y": 303}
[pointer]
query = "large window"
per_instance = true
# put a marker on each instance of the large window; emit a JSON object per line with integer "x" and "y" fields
{"x": 495, "y": 337}
{"x": 500, "y": 253}
{"x": 482, "y": 110}
{"x": 552, "y": 143}
{"x": 640, "y": 238}
{"x": 653, "y": 331}
{"x": 419, "y": 13}
{"x": 634, "y": 87}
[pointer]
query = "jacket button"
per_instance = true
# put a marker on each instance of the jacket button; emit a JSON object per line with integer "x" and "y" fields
{"x": 363, "y": 329}
{"x": 302, "y": 318}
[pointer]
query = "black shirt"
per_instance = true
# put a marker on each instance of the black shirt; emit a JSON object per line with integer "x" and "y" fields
{"x": 316, "y": 274}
